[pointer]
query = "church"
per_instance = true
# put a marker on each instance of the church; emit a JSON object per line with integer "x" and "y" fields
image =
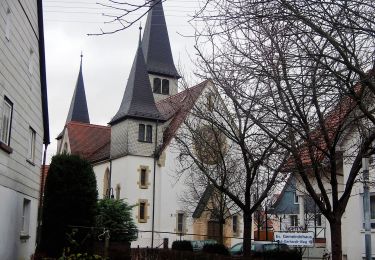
{"x": 132, "y": 156}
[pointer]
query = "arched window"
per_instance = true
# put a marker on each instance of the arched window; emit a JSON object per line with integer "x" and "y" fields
{"x": 157, "y": 85}
{"x": 165, "y": 87}
{"x": 106, "y": 184}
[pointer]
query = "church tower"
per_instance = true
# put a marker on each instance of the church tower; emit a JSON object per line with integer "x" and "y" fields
{"x": 78, "y": 111}
{"x": 135, "y": 123}
{"x": 158, "y": 55}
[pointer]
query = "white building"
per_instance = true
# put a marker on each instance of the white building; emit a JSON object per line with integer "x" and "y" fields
{"x": 133, "y": 157}
{"x": 23, "y": 124}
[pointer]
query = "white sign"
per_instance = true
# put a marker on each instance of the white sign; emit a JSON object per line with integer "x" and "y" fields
{"x": 301, "y": 239}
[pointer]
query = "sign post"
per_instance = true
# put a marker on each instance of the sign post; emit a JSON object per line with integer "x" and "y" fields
{"x": 295, "y": 239}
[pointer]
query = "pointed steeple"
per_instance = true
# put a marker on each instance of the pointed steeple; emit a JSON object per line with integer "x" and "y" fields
{"x": 78, "y": 111}
{"x": 138, "y": 100}
{"x": 155, "y": 43}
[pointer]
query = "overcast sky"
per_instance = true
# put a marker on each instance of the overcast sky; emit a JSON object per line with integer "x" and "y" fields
{"x": 107, "y": 59}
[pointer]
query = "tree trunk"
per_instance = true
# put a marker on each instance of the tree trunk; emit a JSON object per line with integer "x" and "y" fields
{"x": 247, "y": 234}
{"x": 336, "y": 239}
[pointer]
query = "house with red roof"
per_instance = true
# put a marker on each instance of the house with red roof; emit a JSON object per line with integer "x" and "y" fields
{"x": 132, "y": 156}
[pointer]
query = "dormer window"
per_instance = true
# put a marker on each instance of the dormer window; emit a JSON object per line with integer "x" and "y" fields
{"x": 145, "y": 133}
{"x": 161, "y": 86}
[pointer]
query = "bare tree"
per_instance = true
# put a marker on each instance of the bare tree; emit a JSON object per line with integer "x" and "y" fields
{"x": 220, "y": 145}
{"x": 310, "y": 63}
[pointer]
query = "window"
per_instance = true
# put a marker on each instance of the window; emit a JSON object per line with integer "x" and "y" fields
{"x": 149, "y": 134}
{"x": 31, "y": 62}
{"x": 145, "y": 133}
{"x": 165, "y": 87}
{"x": 372, "y": 210}
{"x": 295, "y": 197}
{"x": 106, "y": 184}
{"x": 293, "y": 220}
{"x": 142, "y": 211}
{"x": 31, "y": 148}
{"x": 8, "y": 23}
{"x": 25, "y": 217}
{"x": 235, "y": 224}
{"x": 118, "y": 190}
{"x": 161, "y": 86}
{"x": 180, "y": 222}
{"x": 210, "y": 102}
{"x": 157, "y": 85}
{"x": 143, "y": 177}
{"x": 318, "y": 220}
{"x": 6, "y": 121}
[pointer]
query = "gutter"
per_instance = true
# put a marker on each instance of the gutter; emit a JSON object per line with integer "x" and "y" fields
{"x": 44, "y": 99}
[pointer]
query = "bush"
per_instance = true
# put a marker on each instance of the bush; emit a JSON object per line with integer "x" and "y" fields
{"x": 116, "y": 215}
{"x": 182, "y": 245}
{"x": 215, "y": 249}
{"x": 70, "y": 199}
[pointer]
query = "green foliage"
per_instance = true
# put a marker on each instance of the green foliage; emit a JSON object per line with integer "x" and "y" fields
{"x": 70, "y": 200}
{"x": 183, "y": 245}
{"x": 116, "y": 215}
{"x": 215, "y": 249}
{"x": 79, "y": 256}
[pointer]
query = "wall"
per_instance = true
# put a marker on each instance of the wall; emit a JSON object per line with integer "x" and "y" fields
{"x": 20, "y": 82}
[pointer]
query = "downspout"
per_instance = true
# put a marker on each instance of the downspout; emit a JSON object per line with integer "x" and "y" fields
{"x": 44, "y": 99}
{"x": 153, "y": 186}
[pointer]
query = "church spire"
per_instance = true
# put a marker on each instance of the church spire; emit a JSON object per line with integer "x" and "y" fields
{"x": 78, "y": 111}
{"x": 138, "y": 100}
{"x": 155, "y": 43}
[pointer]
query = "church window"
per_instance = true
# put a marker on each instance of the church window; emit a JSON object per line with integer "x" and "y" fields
{"x": 180, "y": 225}
{"x": 145, "y": 133}
{"x": 106, "y": 184}
{"x": 142, "y": 211}
{"x": 118, "y": 190}
{"x": 157, "y": 85}
{"x": 161, "y": 86}
{"x": 143, "y": 177}
{"x": 8, "y": 23}
{"x": 165, "y": 87}
{"x": 141, "y": 133}
{"x": 149, "y": 134}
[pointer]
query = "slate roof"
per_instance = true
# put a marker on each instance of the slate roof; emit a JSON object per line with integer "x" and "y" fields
{"x": 78, "y": 111}
{"x": 138, "y": 100}
{"x": 176, "y": 108}
{"x": 155, "y": 43}
{"x": 92, "y": 142}
{"x": 201, "y": 206}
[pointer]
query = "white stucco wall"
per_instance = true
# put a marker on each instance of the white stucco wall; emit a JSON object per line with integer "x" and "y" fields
{"x": 11, "y": 246}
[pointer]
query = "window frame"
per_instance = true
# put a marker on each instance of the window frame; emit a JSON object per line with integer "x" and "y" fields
{"x": 25, "y": 222}
{"x": 31, "y": 146}
{"x": 235, "y": 229}
{"x": 181, "y": 225}
{"x": 159, "y": 89}
{"x": 165, "y": 86}
{"x": 294, "y": 220}
{"x": 142, "y": 203}
{"x": 9, "y": 105}
{"x": 295, "y": 198}
{"x": 145, "y": 132}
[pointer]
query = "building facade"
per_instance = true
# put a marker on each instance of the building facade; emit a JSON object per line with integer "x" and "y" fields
{"x": 23, "y": 125}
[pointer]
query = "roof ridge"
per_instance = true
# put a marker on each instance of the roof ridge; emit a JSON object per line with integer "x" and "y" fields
{"x": 88, "y": 124}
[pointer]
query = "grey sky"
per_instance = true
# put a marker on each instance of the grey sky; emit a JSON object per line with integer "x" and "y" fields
{"x": 107, "y": 59}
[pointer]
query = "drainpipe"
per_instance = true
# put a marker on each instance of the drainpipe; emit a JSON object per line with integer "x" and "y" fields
{"x": 366, "y": 207}
{"x": 41, "y": 195}
{"x": 153, "y": 186}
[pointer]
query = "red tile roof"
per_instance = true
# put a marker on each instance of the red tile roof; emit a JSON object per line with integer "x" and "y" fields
{"x": 90, "y": 141}
{"x": 334, "y": 124}
{"x": 93, "y": 141}
{"x": 176, "y": 108}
